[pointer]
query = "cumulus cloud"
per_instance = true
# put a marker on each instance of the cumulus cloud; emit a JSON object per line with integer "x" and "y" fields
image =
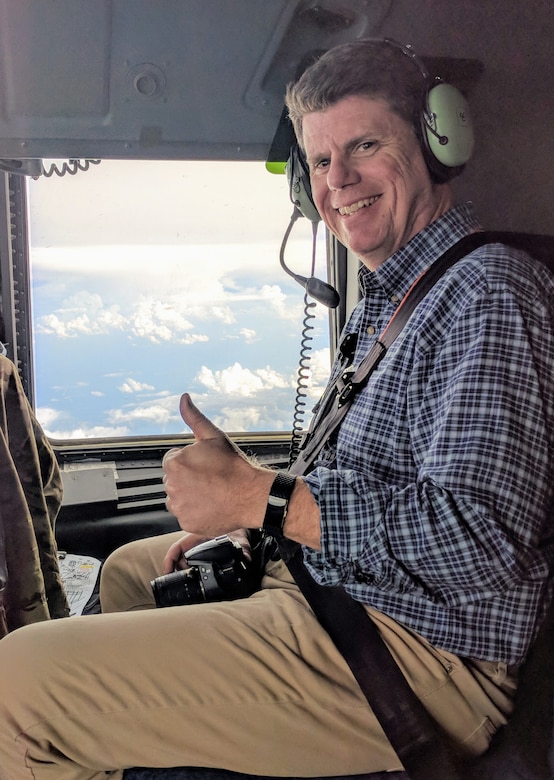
{"x": 318, "y": 371}
{"x": 241, "y": 381}
{"x": 161, "y": 412}
{"x": 243, "y": 399}
{"x": 82, "y": 314}
{"x": 46, "y": 415}
{"x": 240, "y": 418}
{"x": 248, "y": 335}
{"x": 85, "y": 314}
{"x": 52, "y": 422}
{"x": 158, "y": 321}
{"x": 88, "y": 432}
{"x": 132, "y": 386}
{"x": 175, "y": 278}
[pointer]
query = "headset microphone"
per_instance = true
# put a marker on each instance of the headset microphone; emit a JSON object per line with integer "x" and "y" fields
{"x": 301, "y": 196}
{"x": 318, "y": 289}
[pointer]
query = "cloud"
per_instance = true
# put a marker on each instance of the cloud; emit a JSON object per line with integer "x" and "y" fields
{"x": 90, "y": 432}
{"x": 157, "y": 321}
{"x": 132, "y": 386}
{"x": 248, "y": 335}
{"x": 51, "y": 419}
{"x": 152, "y": 273}
{"x": 159, "y": 412}
{"x": 82, "y": 314}
{"x": 241, "y": 381}
{"x": 319, "y": 369}
{"x": 85, "y": 314}
{"x": 236, "y": 398}
{"x": 46, "y": 415}
{"x": 243, "y": 399}
{"x": 239, "y": 418}
{"x": 123, "y": 196}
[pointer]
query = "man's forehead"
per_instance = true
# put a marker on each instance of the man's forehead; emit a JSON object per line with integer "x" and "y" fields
{"x": 344, "y": 121}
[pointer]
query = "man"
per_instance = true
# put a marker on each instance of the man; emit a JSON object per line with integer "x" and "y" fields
{"x": 431, "y": 504}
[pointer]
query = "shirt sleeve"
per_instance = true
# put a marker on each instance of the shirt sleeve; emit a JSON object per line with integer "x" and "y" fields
{"x": 458, "y": 510}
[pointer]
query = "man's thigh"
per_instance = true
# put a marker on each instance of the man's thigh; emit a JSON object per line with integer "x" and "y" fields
{"x": 127, "y": 573}
{"x": 254, "y": 686}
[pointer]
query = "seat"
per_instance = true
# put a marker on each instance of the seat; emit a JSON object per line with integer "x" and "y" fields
{"x": 196, "y": 773}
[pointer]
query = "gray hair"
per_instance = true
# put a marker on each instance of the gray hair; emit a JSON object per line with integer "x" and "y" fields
{"x": 364, "y": 68}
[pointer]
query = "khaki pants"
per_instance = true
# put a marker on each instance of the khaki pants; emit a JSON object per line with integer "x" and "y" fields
{"x": 254, "y": 686}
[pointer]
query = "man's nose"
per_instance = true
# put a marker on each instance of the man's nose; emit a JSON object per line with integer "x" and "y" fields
{"x": 341, "y": 173}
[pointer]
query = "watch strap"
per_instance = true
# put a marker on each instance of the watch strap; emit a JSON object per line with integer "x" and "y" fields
{"x": 277, "y": 504}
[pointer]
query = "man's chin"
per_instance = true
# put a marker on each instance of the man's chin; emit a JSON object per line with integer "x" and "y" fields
{"x": 372, "y": 257}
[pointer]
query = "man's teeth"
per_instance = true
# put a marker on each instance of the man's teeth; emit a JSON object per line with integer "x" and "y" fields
{"x": 345, "y": 211}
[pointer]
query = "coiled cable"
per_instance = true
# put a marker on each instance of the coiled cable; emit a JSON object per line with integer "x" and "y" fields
{"x": 70, "y": 167}
{"x": 303, "y": 375}
{"x": 302, "y": 381}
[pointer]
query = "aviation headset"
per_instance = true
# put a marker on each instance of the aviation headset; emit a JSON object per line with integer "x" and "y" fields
{"x": 445, "y": 134}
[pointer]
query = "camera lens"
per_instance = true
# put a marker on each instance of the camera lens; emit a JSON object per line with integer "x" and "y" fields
{"x": 179, "y": 587}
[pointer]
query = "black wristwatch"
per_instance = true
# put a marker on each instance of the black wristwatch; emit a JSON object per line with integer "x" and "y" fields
{"x": 277, "y": 504}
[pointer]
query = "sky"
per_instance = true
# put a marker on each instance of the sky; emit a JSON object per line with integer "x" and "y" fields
{"x": 152, "y": 278}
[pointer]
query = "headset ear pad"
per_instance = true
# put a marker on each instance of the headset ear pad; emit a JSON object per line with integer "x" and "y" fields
{"x": 299, "y": 184}
{"x": 447, "y": 129}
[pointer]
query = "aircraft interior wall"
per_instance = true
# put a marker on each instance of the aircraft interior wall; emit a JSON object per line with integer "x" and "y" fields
{"x": 511, "y": 176}
{"x": 217, "y": 70}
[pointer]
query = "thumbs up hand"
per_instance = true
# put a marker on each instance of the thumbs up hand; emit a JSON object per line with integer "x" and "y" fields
{"x": 212, "y": 487}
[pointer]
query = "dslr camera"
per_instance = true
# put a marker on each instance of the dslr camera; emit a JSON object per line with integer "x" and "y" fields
{"x": 217, "y": 570}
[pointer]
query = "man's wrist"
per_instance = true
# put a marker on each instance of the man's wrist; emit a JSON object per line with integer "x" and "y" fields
{"x": 277, "y": 506}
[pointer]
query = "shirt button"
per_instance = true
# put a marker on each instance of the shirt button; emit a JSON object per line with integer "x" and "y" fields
{"x": 394, "y": 299}
{"x": 371, "y": 330}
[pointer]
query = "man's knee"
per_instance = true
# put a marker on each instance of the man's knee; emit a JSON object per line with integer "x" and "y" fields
{"x": 125, "y": 579}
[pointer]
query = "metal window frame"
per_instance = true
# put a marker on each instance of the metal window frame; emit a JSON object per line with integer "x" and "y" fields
{"x": 15, "y": 283}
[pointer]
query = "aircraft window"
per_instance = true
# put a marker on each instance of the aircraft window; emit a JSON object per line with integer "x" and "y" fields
{"x": 152, "y": 278}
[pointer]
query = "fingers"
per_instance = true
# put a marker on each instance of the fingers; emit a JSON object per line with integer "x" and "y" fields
{"x": 172, "y": 453}
{"x": 172, "y": 558}
{"x": 175, "y": 557}
{"x": 200, "y": 425}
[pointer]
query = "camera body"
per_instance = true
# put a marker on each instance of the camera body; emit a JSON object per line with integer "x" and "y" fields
{"x": 217, "y": 570}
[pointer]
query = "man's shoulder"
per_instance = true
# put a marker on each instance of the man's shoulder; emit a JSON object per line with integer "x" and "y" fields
{"x": 500, "y": 268}
{"x": 493, "y": 281}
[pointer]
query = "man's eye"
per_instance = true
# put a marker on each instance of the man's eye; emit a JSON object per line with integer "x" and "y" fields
{"x": 321, "y": 164}
{"x": 366, "y": 145}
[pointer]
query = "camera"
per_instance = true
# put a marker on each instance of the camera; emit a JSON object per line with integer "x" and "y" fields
{"x": 217, "y": 570}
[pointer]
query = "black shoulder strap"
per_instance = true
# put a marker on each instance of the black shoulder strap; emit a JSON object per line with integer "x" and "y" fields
{"x": 409, "y": 728}
{"x": 405, "y": 721}
{"x": 339, "y": 396}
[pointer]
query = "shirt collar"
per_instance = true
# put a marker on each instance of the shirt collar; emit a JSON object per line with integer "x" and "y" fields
{"x": 400, "y": 270}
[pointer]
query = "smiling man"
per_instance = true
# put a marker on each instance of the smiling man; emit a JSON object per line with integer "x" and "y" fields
{"x": 369, "y": 179}
{"x": 432, "y": 505}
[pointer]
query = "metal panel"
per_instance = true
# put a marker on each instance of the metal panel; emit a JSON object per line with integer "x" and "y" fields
{"x": 130, "y": 78}
{"x": 14, "y": 277}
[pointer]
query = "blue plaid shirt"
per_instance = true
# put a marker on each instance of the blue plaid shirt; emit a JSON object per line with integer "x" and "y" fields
{"x": 436, "y": 497}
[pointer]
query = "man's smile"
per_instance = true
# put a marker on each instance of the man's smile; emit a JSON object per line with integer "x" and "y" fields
{"x": 346, "y": 211}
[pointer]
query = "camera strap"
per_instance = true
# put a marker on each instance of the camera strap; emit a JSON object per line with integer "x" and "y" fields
{"x": 406, "y": 723}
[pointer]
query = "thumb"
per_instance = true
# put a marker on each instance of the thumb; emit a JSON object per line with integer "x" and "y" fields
{"x": 199, "y": 424}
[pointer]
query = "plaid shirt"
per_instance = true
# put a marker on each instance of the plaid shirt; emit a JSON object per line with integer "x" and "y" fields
{"x": 436, "y": 496}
